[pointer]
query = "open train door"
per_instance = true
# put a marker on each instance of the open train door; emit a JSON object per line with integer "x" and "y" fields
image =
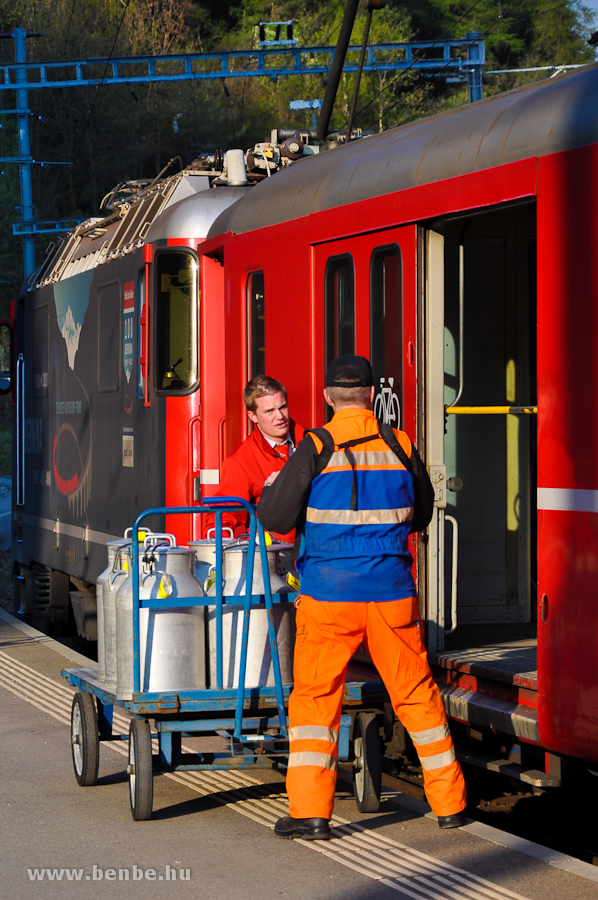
{"x": 478, "y": 421}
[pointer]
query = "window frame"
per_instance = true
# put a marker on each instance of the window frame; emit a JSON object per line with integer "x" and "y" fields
{"x": 379, "y": 250}
{"x": 330, "y": 353}
{"x": 195, "y": 315}
{"x": 253, "y": 351}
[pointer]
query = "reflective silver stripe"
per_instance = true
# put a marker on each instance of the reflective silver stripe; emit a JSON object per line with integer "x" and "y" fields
{"x": 313, "y": 733}
{"x": 568, "y": 499}
{"x": 439, "y": 761}
{"x": 359, "y": 516}
{"x": 430, "y": 736}
{"x": 322, "y": 760}
{"x": 366, "y": 458}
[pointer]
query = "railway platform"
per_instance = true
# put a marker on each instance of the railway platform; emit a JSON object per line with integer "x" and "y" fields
{"x": 210, "y": 834}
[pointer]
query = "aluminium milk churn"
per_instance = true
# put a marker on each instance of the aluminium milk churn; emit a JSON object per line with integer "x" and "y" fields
{"x": 205, "y": 552}
{"x": 171, "y": 638}
{"x": 108, "y": 581}
{"x": 259, "y": 671}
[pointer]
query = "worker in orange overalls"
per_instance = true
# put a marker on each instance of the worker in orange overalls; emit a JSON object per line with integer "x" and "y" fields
{"x": 356, "y": 587}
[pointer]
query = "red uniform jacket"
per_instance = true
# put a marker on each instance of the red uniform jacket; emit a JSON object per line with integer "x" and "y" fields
{"x": 243, "y": 475}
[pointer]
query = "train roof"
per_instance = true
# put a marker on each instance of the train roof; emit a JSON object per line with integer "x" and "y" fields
{"x": 534, "y": 120}
{"x": 181, "y": 206}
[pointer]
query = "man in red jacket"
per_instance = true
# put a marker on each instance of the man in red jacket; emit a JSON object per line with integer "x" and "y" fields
{"x": 263, "y": 453}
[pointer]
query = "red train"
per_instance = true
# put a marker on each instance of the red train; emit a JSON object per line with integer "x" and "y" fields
{"x": 459, "y": 254}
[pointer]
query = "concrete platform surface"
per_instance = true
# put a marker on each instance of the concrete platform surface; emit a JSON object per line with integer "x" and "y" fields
{"x": 210, "y": 835}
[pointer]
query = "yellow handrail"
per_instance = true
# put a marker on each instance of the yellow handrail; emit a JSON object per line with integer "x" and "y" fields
{"x": 491, "y": 410}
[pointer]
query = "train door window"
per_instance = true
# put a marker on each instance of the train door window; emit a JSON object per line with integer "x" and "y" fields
{"x": 339, "y": 303}
{"x": 140, "y": 338}
{"x": 386, "y": 340}
{"x": 109, "y": 303}
{"x": 176, "y": 321}
{"x": 256, "y": 335}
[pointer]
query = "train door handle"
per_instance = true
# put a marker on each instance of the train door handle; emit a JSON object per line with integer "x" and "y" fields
{"x": 455, "y": 560}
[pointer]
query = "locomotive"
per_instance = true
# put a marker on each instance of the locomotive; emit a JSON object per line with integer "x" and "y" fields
{"x": 457, "y": 253}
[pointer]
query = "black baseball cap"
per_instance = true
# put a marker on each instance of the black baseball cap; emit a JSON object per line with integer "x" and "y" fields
{"x": 349, "y": 371}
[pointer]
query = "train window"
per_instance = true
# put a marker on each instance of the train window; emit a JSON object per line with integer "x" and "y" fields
{"x": 386, "y": 339}
{"x": 176, "y": 318}
{"x": 256, "y": 332}
{"x": 339, "y": 303}
{"x": 140, "y": 334}
{"x": 109, "y": 303}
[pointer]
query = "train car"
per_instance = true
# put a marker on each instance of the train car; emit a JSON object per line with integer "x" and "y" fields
{"x": 119, "y": 378}
{"x": 458, "y": 253}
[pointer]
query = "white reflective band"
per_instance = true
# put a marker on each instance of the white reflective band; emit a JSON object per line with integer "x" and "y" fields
{"x": 313, "y": 733}
{"x": 359, "y": 516}
{"x": 568, "y": 499}
{"x": 430, "y": 736}
{"x": 321, "y": 760}
{"x": 439, "y": 761}
{"x": 365, "y": 458}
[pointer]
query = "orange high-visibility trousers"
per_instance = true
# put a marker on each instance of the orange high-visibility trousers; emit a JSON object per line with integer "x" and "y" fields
{"x": 328, "y": 634}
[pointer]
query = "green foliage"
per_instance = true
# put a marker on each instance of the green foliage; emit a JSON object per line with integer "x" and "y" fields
{"x": 114, "y": 133}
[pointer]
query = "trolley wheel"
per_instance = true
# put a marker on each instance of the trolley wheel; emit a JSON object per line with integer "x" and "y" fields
{"x": 139, "y": 770}
{"x": 85, "y": 739}
{"x": 367, "y": 767}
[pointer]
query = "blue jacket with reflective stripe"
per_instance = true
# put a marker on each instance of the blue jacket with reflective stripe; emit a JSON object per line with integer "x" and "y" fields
{"x": 361, "y": 554}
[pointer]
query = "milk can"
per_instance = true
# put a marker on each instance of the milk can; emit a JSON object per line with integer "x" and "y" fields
{"x": 107, "y": 628}
{"x": 205, "y": 552}
{"x": 171, "y": 638}
{"x": 259, "y": 672}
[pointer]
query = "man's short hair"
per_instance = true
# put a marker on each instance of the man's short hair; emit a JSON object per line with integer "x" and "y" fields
{"x": 349, "y": 396}
{"x": 261, "y": 386}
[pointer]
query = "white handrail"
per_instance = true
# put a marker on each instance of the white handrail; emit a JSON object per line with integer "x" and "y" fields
{"x": 455, "y": 525}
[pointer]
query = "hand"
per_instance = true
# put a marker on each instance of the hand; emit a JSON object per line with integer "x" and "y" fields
{"x": 271, "y": 478}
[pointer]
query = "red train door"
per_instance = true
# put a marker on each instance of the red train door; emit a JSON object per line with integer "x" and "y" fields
{"x": 364, "y": 301}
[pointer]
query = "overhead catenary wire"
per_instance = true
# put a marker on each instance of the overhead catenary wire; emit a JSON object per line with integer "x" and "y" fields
{"x": 480, "y": 36}
{"x": 556, "y": 68}
{"x": 410, "y": 67}
{"x": 99, "y": 87}
{"x": 68, "y": 29}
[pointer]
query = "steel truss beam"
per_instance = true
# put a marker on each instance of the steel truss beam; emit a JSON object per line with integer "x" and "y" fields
{"x": 428, "y": 57}
{"x": 431, "y": 58}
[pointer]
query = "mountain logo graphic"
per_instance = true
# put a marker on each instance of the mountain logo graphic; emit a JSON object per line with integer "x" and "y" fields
{"x": 71, "y": 297}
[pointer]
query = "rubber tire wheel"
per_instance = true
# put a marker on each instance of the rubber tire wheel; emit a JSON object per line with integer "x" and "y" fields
{"x": 85, "y": 739}
{"x": 367, "y": 768}
{"x": 141, "y": 782}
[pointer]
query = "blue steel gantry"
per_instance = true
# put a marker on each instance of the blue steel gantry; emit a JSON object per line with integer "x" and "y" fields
{"x": 457, "y": 60}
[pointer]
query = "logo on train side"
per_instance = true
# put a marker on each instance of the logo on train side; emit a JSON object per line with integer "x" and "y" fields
{"x": 128, "y": 317}
{"x": 72, "y": 299}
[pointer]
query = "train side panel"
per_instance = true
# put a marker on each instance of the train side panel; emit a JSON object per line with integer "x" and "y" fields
{"x": 567, "y": 451}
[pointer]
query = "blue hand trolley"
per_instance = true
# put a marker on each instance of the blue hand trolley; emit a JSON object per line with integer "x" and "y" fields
{"x": 253, "y": 720}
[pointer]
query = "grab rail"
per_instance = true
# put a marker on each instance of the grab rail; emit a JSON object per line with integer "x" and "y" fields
{"x": 455, "y": 561}
{"x": 491, "y": 410}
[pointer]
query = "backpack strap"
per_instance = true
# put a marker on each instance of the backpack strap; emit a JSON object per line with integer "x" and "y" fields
{"x": 389, "y": 437}
{"x": 385, "y": 432}
{"x": 346, "y": 446}
{"x": 327, "y": 449}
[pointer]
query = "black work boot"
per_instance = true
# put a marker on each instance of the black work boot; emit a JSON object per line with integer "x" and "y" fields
{"x": 457, "y": 820}
{"x": 308, "y": 829}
